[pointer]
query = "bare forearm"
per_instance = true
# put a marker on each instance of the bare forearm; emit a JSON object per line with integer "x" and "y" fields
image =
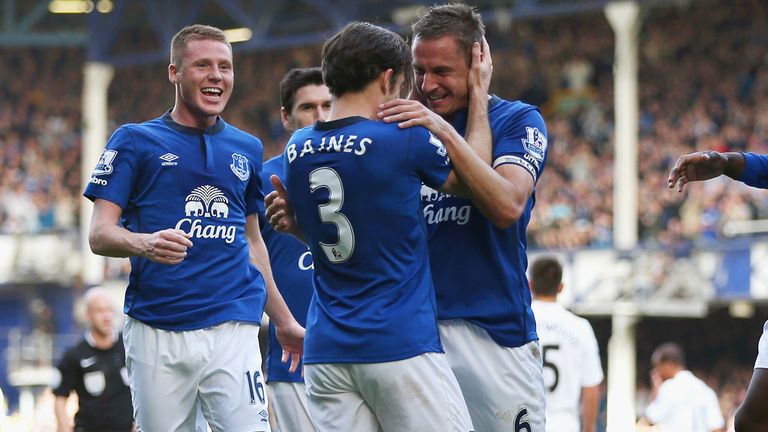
{"x": 500, "y": 200}
{"x": 276, "y": 308}
{"x": 63, "y": 423}
{"x": 590, "y": 401}
{"x": 116, "y": 241}
{"x": 734, "y": 165}
{"x": 478, "y": 134}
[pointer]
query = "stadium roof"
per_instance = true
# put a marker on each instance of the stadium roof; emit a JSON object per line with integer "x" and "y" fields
{"x": 119, "y": 31}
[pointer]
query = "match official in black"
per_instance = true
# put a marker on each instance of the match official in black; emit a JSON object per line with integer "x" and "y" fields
{"x": 95, "y": 370}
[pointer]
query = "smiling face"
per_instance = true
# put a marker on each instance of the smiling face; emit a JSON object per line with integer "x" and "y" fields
{"x": 311, "y": 103}
{"x": 441, "y": 74}
{"x": 203, "y": 82}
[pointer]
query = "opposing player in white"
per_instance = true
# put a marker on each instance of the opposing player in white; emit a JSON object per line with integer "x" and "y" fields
{"x": 572, "y": 370}
{"x": 679, "y": 400}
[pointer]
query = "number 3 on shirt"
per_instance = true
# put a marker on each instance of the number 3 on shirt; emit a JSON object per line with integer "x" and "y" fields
{"x": 328, "y": 178}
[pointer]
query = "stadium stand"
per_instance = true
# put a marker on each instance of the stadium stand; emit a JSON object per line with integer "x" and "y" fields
{"x": 703, "y": 85}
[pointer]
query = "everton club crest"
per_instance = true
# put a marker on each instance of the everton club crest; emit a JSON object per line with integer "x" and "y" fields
{"x": 240, "y": 166}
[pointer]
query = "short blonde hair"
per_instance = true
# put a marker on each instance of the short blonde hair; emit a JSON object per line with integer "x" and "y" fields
{"x": 191, "y": 33}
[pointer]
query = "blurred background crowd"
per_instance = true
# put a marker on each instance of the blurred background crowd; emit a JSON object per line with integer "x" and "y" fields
{"x": 703, "y": 75}
{"x": 703, "y": 85}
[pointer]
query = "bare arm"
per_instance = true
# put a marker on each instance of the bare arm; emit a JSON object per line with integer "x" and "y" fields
{"x": 107, "y": 238}
{"x": 500, "y": 194}
{"x": 705, "y": 165}
{"x": 590, "y": 401}
{"x": 63, "y": 422}
{"x": 478, "y": 134}
{"x": 289, "y": 332}
{"x": 752, "y": 415}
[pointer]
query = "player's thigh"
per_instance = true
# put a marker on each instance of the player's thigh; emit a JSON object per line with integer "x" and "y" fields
{"x": 163, "y": 374}
{"x": 334, "y": 403}
{"x": 752, "y": 415}
{"x": 416, "y": 394}
{"x": 289, "y": 402}
{"x": 503, "y": 387}
{"x": 232, "y": 394}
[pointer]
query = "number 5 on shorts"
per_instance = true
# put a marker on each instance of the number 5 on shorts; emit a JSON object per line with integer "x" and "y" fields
{"x": 255, "y": 387}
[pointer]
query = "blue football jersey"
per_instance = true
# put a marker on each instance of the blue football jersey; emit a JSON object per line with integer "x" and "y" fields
{"x": 165, "y": 175}
{"x": 355, "y": 186}
{"x": 292, "y": 267}
{"x": 478, "y": 269}
{"x": 755, "y": 170}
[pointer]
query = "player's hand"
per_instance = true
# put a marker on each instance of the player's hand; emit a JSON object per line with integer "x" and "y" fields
{"x": 655, "y": 379}
{"x": 168, "y": 246}
{"x": 696, "y": 167}
{"x": 411, "y": 113}
{"x": 291, "y": 338}
{"x": 279, "y": 211}
{"x": 481, "y": 69}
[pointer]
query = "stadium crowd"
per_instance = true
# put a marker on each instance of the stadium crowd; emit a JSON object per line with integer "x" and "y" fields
{"x": 703, "y": 85}
{"x": 698, "y": 89}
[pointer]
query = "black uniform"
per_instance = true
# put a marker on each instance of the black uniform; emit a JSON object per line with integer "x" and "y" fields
{"x": 100, "y": 379}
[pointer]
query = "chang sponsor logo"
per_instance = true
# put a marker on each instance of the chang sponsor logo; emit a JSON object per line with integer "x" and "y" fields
{"x": 436, "y": 211}
{"x": 206, "y": 202}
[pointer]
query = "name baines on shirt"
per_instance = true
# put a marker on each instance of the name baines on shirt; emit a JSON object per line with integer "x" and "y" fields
{"x": 334, "y": 143}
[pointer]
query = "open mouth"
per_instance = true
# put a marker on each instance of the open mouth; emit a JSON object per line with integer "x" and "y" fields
{"x": 436, "y": 99}
{"x": 212, "y": 92}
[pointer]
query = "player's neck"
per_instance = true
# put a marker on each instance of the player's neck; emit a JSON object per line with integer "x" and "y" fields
{"x": 183, "y": 116}
{"x": 357, "y": 104}
{"x": 546, "y": 299}
{"x": 102, "y": 341}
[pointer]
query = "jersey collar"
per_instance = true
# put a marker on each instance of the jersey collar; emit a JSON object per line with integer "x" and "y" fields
{"x": 210, "y": 130}
{"x": 338, "y": 123}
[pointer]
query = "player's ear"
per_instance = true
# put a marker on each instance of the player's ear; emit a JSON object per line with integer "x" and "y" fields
{"x": 560, "y": 288}
{"x": 285, "y": 118}
{"x": 173, "y": 71}
{"x": 385, "y": 81}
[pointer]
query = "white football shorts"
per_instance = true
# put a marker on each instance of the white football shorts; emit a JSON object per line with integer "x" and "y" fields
{"x": 288, "y": 400}
{"x": 171, "y": 372}
{"x": 416, "y": 394}
{"x": 503, "y": 387}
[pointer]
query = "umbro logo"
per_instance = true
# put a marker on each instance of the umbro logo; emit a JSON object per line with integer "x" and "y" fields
{"x": 169, "y": 159}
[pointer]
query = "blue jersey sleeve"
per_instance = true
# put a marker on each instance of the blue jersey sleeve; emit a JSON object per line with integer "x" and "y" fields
{"x": 112, "y": 178}
{"x": 254, "y": 195}
{"x": 429, "y": 158}
{"x": 755, "y": 170}
{"x": 522, "y": 141}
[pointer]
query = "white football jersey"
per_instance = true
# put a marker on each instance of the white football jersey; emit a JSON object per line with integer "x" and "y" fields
{"x": 571, "y": 361}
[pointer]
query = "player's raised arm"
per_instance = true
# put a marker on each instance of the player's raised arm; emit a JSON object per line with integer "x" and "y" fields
{"x": 289, "y": 332}
{"x": 107, "y": 238}
{"x": 705, "y": 165}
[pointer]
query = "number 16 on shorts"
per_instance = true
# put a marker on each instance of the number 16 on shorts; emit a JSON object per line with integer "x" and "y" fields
{"x": 255, "y": 387}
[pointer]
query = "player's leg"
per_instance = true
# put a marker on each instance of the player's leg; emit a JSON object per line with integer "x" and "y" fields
{"x": 334, "y": 404}
{"x": 416, "y": 394}
{"x": 163, "y": 372}
{"x": 752, "y": 415}
{"x": 232, "y": 394}
{"x": 289, "y": 403}
{"x": 503, "y": 387}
